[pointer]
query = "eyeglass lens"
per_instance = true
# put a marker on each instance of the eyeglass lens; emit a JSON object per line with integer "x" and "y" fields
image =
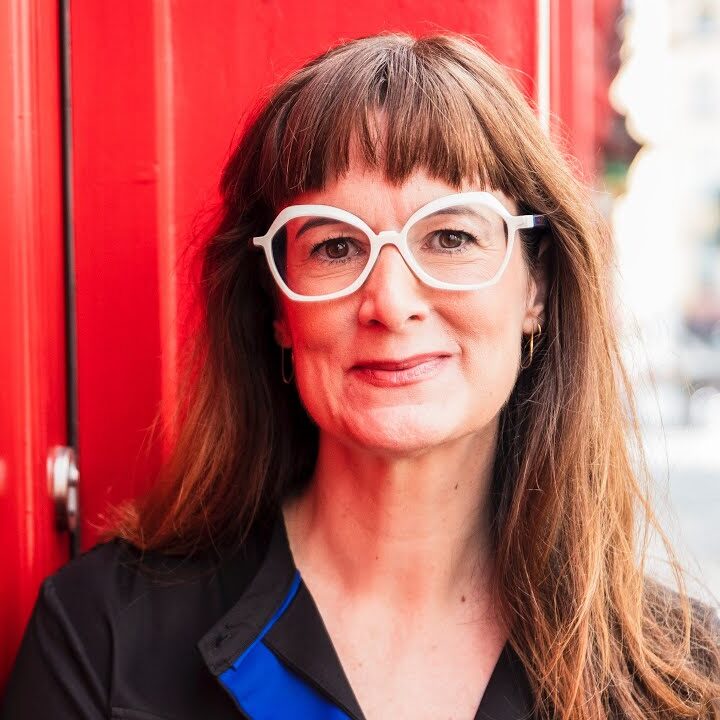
{"x": 462, "y": 244}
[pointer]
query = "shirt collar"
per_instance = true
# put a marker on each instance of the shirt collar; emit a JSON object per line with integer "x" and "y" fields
{"x": 274, "y": 630}
{"x": 277, "y": 611}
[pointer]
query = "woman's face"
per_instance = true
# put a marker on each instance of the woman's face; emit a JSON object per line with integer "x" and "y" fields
{"x": 345, "y": 350}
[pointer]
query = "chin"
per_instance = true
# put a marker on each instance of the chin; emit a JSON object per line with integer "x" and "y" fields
{"x": 400, "y": 430}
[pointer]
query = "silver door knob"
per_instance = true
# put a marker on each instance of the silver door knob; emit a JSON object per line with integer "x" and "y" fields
{"x": 64, "y": 478}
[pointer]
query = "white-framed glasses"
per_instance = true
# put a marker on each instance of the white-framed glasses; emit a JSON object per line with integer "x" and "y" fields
{"x": 457, "y": 242}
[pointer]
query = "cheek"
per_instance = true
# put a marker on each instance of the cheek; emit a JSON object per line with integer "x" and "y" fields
{"x": 492, "y": 336}
{"x": 315, "y": 329}
{"x": 328, "y": 326}
{"x": 319, "y": 354}
{"x": 491, "y": 348}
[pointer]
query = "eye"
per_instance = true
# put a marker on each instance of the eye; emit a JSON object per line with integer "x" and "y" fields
{"x": 451, "y": 239}
{"x": 337, "y": 248}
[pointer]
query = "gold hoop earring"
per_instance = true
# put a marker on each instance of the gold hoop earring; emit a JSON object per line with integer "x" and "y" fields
{"x": 524, "y": 366}
{"x": 287, "y": 379}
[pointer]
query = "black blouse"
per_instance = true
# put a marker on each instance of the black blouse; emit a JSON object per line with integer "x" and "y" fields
{"x": 120, "y": 634}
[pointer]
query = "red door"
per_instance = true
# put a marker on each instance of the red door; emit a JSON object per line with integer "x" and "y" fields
{"x": 33, "y": 416}
{"x": 156, "y": 93}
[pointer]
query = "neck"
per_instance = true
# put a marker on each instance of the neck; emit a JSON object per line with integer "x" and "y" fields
{"x": 414, "y": 531}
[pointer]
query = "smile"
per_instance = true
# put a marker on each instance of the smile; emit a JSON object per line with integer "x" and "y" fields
{"x": 395, "y": 373}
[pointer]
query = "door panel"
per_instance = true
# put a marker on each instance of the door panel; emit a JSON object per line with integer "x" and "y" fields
{"x": 32, "y": 307}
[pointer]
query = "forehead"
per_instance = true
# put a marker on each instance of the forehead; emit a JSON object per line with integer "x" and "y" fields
{"x": 365, "y": 192}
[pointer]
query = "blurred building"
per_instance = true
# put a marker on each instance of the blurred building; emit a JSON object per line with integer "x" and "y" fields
{"x": 667, "y": 231}
{"x": 667, "y": 224}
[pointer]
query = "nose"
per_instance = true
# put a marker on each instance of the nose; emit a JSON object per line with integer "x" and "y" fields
{"x": 392, "y": 295}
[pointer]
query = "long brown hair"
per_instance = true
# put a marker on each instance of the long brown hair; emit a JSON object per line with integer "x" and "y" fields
{"x": 598, "y": 637}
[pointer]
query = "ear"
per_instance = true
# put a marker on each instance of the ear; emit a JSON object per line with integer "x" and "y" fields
{"x": 537, "y": 291}
{"x": 282, "y": 330}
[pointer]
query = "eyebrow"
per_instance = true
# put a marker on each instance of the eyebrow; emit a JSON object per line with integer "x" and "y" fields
{"x": 452, "y": 210}
{"x": 458, "y": 210}
{"x": 316, "y": 222}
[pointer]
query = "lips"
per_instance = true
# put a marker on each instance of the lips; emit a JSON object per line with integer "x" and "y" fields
{"x": 403, "y": 364}
{"x": 390, "y": 373}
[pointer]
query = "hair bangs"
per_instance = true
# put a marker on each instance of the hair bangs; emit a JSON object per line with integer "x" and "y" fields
{"x": 396, "y": 110}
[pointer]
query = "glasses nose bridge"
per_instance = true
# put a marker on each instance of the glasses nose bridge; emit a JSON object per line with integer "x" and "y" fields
{"x": 389, "y": 237}
{"x": 395, "y": 239}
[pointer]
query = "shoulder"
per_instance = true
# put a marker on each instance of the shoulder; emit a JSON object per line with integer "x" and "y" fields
{"x": 691, "y": 623}
{"x": 115, "y": 573}
{"x": 705, "y": 637}
{"x": 706, "y": 615}
{"x": 100, "y": 577}
{"x": 119, "y": 628}
{"x": 115, "y": 583}
{"x": 99, "y": 600}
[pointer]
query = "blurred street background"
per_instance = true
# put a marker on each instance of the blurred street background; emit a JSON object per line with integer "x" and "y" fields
{"x": 661, "y": 190}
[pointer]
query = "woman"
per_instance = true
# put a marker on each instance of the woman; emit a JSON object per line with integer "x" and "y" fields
{"x": 403, "y": 484}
